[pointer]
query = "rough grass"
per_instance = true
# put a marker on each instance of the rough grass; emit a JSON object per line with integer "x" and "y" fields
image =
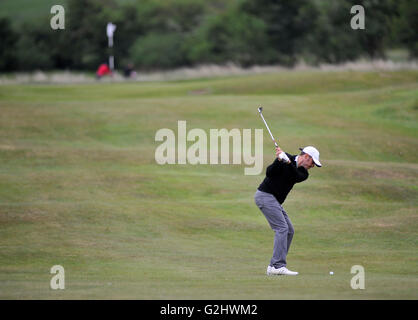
{"x": 79, "y": 187}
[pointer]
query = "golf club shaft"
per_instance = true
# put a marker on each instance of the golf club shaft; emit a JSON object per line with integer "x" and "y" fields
{"x": 282, "y": 155}
{"x": 271, "y": 135}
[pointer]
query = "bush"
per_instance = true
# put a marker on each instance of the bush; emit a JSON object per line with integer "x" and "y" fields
{"x": 158, "y": 51}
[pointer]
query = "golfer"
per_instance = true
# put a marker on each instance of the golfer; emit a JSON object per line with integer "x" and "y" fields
{"x": 272, "y": 192}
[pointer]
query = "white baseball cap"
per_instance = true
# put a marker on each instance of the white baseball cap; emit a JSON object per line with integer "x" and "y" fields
{"x": 314, "y": 153}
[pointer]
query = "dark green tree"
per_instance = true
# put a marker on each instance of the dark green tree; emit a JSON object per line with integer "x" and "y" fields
{"x": 8, "y": 53}
{"x": 233, "y": 36}
{"x": 379, "y": 14}
{"x": 287, "y": 24}
{"x": 165, "y": 28}
{"x": 405, "y": 25}
{"x": 332, "y": 40}
{"x": 86, "y": 31}
{"x": 36, "y": 46}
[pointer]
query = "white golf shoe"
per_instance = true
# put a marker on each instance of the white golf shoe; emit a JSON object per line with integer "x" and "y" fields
{"x": 280, "y": 271}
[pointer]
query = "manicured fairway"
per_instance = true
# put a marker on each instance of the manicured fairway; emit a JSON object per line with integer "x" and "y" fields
{"x": 79, "y": 187}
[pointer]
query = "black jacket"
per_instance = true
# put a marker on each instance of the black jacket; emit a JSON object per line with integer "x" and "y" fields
{"x": 281, "y": 176}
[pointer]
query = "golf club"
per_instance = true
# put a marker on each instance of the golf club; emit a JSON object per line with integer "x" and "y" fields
{"x": 282, "y": 155}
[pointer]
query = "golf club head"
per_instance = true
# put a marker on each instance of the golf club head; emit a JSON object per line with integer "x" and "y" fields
{"x": 260, "y": 109}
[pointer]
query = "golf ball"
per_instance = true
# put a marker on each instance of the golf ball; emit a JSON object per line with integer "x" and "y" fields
{"x": 331, "y": 272}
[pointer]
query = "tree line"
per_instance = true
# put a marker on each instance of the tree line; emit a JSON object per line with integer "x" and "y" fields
{"x": 158, "y": 34}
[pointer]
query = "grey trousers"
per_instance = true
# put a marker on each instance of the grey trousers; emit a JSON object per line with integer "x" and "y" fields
{"x": 280, "y": 223}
